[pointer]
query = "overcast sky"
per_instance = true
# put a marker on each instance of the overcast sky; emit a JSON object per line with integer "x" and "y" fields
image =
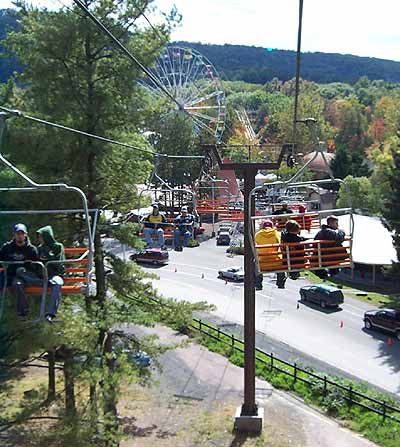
{"x": 360, "y": 27}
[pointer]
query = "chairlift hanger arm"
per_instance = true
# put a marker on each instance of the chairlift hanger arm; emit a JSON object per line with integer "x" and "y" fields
{"x": 33, "y": 186}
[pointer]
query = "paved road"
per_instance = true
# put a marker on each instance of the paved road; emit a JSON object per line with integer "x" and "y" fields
{"x": 308, "y": 328}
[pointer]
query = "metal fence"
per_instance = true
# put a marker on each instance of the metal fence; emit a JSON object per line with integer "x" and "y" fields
{"x": 348, "y": 394}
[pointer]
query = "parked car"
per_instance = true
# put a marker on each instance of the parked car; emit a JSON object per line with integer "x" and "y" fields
{"x": 223, "y": 238}
{"x": 154, "y": 256}
{"x": 325, "y": 296}
{"x": 385, "y": 319}
{"x": 235, "y": 273}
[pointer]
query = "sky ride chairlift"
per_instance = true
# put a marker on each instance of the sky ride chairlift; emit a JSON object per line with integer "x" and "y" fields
{"x": 169, "y": 192}
{"x": 310, "y": 254}
{"x": 79, "y": 260}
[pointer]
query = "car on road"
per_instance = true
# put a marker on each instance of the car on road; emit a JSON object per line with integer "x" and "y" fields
{"x": 223, "y": 238}
{"x": 234, "y": 273}
{"x": 384, "y": 319}
{"x": 323, "y": 295}
{"x": 225, "y": 229}
{"x": 155, "y": 256}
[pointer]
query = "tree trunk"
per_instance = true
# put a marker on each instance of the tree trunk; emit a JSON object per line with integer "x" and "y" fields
{"x": 110, "y": 396}
{"x": 69, "y": 383}
{"x": 51, "y": 360}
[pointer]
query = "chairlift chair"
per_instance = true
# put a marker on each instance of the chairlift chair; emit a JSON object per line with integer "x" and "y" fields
{"x": 310, "y": 254}
{"x": 79, "y": 260}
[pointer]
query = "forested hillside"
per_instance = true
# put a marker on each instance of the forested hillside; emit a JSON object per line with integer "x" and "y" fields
{"x": 255, "y": 64}
{"x": 258, "y": 65}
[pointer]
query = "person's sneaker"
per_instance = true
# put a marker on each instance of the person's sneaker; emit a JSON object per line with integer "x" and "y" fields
{"x": 178, "y": 249}
{"x": 258, "y": 287}
{"x": 50, "y": 318}
{"x": 23, "y": 314}
{"x": 164, "y": 247}
{"x": 281, "y": 286}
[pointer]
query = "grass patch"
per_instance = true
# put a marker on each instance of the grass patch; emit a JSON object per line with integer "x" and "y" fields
{"x": 333, "y": 400}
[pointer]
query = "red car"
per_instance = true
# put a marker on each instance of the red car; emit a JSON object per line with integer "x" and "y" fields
{"x": 154, "y": 256}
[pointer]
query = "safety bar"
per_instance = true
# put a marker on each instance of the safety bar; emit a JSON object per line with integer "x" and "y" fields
{"x": 305, "y": 255}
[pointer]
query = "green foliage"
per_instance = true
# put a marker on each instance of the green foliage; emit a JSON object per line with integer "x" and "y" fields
{"x": 341, "y": 164}
{"x": 391, "y": 210}
{"x": 356, "y": 192}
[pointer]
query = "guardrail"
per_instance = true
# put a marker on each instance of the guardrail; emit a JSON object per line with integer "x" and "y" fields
{"x": 274, "y": 363}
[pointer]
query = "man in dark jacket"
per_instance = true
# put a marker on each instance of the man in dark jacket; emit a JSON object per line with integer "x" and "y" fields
{"x": 19, "y": 275}
{"x": 330, "y": 232}
{"x": 291, "y": 235}
{"x": 183, "y": 227}
{"x": 283, "y": 210}
{"x": 51, "y": 253}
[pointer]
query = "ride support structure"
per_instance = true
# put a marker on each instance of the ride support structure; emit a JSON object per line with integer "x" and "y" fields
{"x": 249, "y": 417}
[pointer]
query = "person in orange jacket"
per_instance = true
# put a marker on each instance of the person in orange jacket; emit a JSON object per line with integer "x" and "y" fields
{"x": 268, "y": 235}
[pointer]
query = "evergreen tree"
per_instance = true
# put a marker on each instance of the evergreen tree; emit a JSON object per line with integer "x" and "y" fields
{"x": 76, "y": 77}
{"x": 341, "y": 164}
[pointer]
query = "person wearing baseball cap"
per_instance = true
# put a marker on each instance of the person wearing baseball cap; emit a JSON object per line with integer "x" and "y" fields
{"x": 19, "y": 249}
{"x": 334, "y": 237}
{"x": 153, "y": 224}
{"x": 183, "y": 227}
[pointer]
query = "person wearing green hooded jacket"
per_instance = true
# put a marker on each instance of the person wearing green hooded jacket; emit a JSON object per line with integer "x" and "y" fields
{"x": 51, "y": 253}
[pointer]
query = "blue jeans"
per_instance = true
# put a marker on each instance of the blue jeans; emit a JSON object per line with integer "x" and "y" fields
{"x": 148, "y": 232}
{"x": 28, "y": 278}
{"x": 55, "y": 282}
{"x": 186, "y": 236}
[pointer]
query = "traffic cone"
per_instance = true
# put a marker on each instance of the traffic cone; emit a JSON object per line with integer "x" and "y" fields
{"x": 341, "y": 323}
{"x": 389, "y": 341}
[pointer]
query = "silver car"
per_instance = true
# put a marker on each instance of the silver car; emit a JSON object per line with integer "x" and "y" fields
{"x": 234, "y": 273}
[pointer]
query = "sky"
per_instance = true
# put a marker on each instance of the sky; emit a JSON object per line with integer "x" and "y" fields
{"x": 360, "y": 27}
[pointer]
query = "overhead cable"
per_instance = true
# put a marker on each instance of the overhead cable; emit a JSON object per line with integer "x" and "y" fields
{"x": 20, "y": 114}
{"x": 105, "y": 30}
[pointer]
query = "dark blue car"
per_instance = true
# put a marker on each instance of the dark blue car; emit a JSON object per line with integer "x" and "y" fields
{"x": 322, "y": 294}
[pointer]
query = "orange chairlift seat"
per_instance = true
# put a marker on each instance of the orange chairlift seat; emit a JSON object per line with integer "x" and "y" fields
{"x": 310, "y": 254}
{"x": 307, "y": 221}
{"x": 79, "y": 260}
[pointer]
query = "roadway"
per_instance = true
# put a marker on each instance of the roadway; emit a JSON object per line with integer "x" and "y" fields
{"x": 336, "y": 337}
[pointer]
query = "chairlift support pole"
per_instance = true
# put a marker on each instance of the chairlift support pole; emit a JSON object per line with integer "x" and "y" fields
{"x": 250, "y": 417}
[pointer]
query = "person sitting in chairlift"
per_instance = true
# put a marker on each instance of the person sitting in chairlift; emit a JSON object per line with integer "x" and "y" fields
{"x": 20, "y": 275}
{"x": 268, "y": 235}
{"x": 291, "y": 234}
{"x": 51, "y": 253}
{"x": 330, "y": 232}
{"x": 183, "y": 227}
{"x": 153, "y": 224}
{"x": 283, "y": 210}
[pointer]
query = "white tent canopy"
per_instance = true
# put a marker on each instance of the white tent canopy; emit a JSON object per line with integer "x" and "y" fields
{"x": 372, "y": 242}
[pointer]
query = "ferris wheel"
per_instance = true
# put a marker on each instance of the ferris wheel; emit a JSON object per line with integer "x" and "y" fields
{"x": 195, "y": 85}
